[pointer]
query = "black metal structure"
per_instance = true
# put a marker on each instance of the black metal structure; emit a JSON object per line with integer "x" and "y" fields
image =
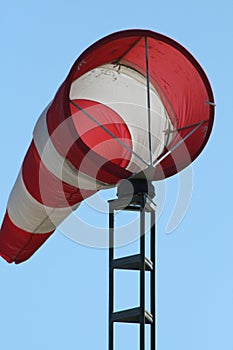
{"x": 135, "y": 197}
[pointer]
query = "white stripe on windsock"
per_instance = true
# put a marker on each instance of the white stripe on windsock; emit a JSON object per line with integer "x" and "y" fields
{"x": 29, "y": 215}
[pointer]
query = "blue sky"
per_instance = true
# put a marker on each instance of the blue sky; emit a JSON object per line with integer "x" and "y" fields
{"x": 58, "y": 299}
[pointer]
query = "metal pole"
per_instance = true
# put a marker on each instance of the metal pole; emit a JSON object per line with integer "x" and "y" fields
{"x": 153, "y": 279}
{"x": 111, "y": 277}
{"x": 142, "y": 276}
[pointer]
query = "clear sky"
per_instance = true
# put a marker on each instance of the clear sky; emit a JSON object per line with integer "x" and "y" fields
{"x": 58, "y": 299}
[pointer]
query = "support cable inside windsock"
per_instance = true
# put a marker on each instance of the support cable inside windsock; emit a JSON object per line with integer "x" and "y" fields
{"x": 148, "y": 99}
{"x": 159, "y": 160}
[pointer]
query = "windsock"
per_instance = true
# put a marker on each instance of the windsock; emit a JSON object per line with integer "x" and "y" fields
{"x": 134, "y": 100}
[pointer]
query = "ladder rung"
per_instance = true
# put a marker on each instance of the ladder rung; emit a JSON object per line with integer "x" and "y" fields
{"x": 132, "y": 262}
{"x": 131, "y": 316}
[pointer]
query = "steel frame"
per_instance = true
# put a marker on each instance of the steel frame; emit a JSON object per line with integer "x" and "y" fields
{"x": 142, "y": 203}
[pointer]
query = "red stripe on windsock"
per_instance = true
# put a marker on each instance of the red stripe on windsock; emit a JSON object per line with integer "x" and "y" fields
{"x": 71, "y": 143}
{"x": 18, "y": 245}
{"x": 101, "y": 128}
{"x": 45, "y": 187}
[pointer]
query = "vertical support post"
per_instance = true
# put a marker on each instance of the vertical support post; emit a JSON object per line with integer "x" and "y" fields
{"x": 142, "y": 276}
{"x": 111, "y": 277}
{"x": 153, "y": 278}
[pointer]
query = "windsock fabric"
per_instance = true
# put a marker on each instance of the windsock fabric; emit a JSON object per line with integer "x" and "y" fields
{"x": 130, "y": 99}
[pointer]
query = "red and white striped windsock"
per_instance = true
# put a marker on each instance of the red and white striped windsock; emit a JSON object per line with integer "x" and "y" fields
{"x": 132, "y": 101}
